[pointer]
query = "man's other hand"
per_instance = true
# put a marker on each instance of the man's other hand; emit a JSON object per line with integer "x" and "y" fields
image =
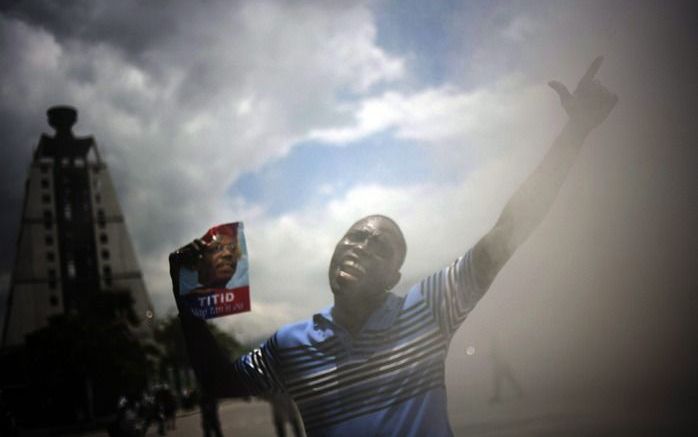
{"x": 188, "y": 256}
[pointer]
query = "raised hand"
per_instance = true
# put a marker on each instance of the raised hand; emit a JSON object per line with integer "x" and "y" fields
{"x": 188, "y": 256}
{"x": 591, "y": 102}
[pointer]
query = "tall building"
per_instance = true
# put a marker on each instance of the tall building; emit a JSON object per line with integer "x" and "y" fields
{"x": 72, "y": 240}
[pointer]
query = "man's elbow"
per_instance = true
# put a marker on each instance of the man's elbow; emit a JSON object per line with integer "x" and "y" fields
{"x": 491, "y": 253}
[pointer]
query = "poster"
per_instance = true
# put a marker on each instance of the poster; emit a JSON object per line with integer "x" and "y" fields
{"x": 219, "y": 284}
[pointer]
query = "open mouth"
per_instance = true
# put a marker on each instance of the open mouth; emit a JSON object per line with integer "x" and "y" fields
{"x": 351, "y": 270}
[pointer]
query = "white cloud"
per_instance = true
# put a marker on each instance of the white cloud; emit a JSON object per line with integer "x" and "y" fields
{"x": 359, "y": 61}
{"x": 441, "y": 115}
{"x": 519, "y": 28}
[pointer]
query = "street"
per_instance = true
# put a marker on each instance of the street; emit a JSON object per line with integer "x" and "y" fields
{"x": 238, "y": 418}
{"x": 516, "y": 417}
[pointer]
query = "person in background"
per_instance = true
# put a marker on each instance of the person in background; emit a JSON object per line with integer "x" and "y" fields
{"x": 209, "y": 417}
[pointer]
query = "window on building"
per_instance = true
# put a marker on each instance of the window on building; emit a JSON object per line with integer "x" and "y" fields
{"x": 53, "y": 300}
{"x": 50, "y": 256}
{"x": 103, "y": 238}
{"x": 48, "y": 240}
{"x": 44, "y": 183}
{"x": 106, "y": 274}
{"x": 105, "y": 254}
{"x": 45, "y": 198}
{"x": 48, "y": 219}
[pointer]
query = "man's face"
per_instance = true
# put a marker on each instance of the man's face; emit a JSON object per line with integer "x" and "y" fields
{"x": 367, "y": 259}
{"x": 219, "y": 262}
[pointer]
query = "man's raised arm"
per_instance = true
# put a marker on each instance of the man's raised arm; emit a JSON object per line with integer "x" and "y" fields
{"x": 214, "y": 370}
{"x": 587, "y": 107}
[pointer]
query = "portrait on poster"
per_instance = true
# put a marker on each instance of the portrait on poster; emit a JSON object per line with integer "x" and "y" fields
{"x": 218, "y": 285}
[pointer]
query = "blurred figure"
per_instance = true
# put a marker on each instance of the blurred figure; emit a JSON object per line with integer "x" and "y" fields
{"x": 165, "y": 397}
{"x": 284, "y": 410}
{"x": 126, "y": 422}
{"x": 190, "y": 398}
{"x": 8, "y": 425}
{"x": 150, "y": 411}
{"x": 501, "y": 371}
{"x": 209, "y": 417}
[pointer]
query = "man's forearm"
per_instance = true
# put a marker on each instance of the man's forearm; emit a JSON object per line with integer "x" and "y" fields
{"x": 531, "y": 202}
{"x": 213, "y": 368}
{"x": 587, "y": 108}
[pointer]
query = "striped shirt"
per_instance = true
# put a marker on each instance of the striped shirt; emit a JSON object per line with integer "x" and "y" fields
{"x": 389, "y": 379}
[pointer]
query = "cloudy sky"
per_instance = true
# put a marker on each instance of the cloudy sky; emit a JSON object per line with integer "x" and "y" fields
{"x": 300, "y": 117}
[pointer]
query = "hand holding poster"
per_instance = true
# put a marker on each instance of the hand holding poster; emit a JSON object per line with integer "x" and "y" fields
{"x": 216, "y": 282}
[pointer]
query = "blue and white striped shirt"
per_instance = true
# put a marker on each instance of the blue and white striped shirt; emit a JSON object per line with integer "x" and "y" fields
{"x": 389, "y": 379}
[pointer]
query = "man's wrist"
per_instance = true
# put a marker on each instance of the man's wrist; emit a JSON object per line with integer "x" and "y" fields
{"x": 577, "y": 128}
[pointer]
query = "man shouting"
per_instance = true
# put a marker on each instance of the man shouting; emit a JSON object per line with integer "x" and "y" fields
{"x": 374, "y": 362}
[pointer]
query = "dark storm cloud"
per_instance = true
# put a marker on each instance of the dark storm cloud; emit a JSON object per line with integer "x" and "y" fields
{"x": 17, "y": 129}
{"x": 134, "y": 27}
{"x": 21, "y": 126}
{"x": 154, "y": 35}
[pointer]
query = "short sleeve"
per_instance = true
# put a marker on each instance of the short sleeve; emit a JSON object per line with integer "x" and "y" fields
{"x": 452, "y": 293}
{"x": 259, "y": 369}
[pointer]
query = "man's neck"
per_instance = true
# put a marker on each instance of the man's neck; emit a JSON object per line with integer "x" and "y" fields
{"x": 351, "y": 313}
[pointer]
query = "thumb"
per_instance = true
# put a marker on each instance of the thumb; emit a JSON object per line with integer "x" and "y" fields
{"x": 561, "y": 90}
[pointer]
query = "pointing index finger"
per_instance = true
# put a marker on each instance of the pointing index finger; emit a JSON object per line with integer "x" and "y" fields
{"x": 591, "y": 72}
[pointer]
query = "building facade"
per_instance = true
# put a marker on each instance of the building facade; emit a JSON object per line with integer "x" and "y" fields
{"x": 73, "y": 240}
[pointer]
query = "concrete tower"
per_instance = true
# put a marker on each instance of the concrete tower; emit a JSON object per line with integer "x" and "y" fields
{"x": 73, "y": 240}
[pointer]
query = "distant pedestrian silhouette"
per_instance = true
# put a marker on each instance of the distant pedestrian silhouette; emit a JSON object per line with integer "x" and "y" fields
{"x": 501, "y": 372}
{"x": 209, "y": 417}
{"x": 167, "y": 399}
